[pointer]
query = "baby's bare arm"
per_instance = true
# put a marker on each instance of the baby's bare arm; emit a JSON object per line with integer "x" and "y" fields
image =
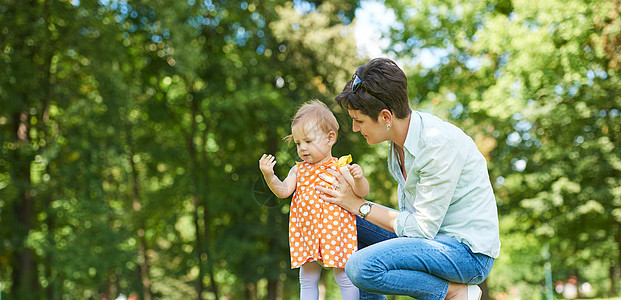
{"x": 282, "y": 189}
{"x": 355, "y": 177}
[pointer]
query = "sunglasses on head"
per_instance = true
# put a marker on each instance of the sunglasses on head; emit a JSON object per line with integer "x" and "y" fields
{"x": 356, "y": 84}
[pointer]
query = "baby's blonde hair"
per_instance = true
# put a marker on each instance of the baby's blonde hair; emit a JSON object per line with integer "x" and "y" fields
{"x": 314, "y": 113}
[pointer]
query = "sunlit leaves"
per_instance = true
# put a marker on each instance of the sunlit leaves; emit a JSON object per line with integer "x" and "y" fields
{"x": 538, "y": 74}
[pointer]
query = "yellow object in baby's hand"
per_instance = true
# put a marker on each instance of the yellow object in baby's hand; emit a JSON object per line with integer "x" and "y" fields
{"x": 344, "y": 160}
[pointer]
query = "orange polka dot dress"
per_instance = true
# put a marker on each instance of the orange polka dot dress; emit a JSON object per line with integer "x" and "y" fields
{"x": 318, "y": 230}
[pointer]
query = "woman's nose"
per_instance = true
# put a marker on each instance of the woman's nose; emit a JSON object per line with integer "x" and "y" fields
{"x": 354, "y": 126}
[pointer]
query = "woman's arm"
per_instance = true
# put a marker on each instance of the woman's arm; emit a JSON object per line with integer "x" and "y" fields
{"x": 345, "y": 197}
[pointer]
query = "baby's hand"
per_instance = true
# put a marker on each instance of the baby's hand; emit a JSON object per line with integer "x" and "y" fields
{"x": 266, "y": 164}
{"x": 356, "y": 171}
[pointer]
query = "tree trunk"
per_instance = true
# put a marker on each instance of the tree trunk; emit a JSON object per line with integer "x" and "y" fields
{"x": 198, "y": 207}
{"x": 50, "y": 275}
{"x": 198, "y": 244}
{"x": 111, "y": 288}
{"x": 144, "y": 264}
{"x": 484, "y": 290}
{"x": 251, "y": 291}
{"x": 615, "y": 266}
{"x": 143, "y": 261}
{"x": 611, "y": 274}
{"x": 272, "y": 289}
{"x": 25, "y": 279}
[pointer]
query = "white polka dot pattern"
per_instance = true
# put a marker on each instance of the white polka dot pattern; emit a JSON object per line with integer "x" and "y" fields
{"x": 319, "y": 231}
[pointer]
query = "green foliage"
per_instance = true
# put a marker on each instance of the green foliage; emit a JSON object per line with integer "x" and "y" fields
{"x": 130, "y": 134}
{"x": 539, "y": 81}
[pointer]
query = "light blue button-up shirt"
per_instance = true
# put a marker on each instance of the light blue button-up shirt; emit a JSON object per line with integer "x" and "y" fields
{"x": 447, "y": 190}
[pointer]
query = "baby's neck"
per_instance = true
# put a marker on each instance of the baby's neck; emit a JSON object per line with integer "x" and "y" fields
{"x": 327, "y": 158}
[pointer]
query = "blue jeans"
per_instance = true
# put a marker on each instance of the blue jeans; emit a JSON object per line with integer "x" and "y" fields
{"x": 420, "y": 268}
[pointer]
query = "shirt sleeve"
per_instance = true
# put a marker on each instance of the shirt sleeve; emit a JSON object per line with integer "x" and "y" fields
{"x": 429, "y": 188}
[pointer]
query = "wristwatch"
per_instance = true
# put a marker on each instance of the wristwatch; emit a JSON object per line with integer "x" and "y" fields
{"x": 365, "y": 209}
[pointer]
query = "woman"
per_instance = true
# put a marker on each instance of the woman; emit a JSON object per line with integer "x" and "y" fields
{"x": 444, "y": 238}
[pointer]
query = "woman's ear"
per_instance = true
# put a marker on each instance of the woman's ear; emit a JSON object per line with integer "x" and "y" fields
{"x": 385, "y": 116}
{"x": 331, "y": 138}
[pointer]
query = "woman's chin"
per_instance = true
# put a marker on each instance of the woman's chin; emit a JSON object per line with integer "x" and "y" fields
{"x": 371, "y": 142}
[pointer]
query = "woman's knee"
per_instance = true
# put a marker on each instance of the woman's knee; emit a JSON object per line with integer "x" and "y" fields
{"x": 351, "y": 272}
{"x": 361, "y": 271}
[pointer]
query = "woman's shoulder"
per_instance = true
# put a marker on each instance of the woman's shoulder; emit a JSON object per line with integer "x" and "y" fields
{"x": 436, "y": 131}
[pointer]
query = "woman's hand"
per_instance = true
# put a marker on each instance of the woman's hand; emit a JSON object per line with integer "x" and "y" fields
{"x": 342, "y": 195}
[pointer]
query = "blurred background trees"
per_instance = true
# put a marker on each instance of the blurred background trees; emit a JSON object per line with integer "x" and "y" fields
{"x": 130, "y": 133}
{"x": 537, "y": 84}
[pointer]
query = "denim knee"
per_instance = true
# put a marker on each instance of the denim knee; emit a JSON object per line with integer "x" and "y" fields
{"x": 351, "y": 269}
{"x": 360, "y": 271}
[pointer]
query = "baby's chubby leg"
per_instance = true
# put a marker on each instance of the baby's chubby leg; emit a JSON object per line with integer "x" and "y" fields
{"x": 348, "y": 290}
{"x": 309, "y": 281}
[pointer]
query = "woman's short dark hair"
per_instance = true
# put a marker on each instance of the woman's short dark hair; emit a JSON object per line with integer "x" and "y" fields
{"x": 381, "y": 84}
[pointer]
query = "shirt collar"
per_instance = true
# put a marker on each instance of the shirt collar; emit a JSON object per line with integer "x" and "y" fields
{"x": 414, "y": 129}
{"x": 411, "y": 140}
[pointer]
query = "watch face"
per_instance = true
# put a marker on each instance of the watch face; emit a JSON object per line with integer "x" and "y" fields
{"x": 364, "y": 209}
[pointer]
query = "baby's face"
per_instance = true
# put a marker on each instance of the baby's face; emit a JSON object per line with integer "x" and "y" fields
{"x": 313, "y": 144}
